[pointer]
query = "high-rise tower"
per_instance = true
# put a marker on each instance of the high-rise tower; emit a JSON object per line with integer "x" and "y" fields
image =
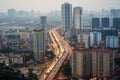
{"x": 81, "y": 63}
{"x": 102, "y": 63}
{"x": 105, "y": 22}
{"x": 39, "y": 44}
{"x": 77, "y": 17}
{"x": 66, "y": 16}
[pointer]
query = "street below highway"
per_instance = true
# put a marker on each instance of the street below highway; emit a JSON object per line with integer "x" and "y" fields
{"x": 62, "y": 52}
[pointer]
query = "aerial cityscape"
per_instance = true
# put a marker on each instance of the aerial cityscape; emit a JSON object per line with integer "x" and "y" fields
{"x": 60, "y": 40}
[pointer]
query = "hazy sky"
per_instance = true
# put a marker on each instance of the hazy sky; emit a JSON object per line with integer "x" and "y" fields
{"x": 48, "y": 5}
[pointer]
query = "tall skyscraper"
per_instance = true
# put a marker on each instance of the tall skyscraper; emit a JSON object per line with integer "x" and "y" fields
{"x": 39, "y": 44}
{"x": 43, "y": 22}
{"x": 81, "y": 63}
{"x": 66, "y": 16}
{"x": 118, "y": 13}
{"x": 77, "y": 18}
{"x": 95, "y": 38}
{"x": 95, "y": 23}
{"x": 115, "y": 13}
{"x": 116, "y": 23}
{"x": 102, "y": 63}
{"x": 105, "y": 23}
{"x": 112, "y": 41}
{"x": 115, "y": 16}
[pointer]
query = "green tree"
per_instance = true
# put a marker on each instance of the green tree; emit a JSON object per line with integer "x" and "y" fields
{"x": 6, "y": 50}
{"x": 66, "y": 69}
{"x": 50, "y": 54}
{"x": 13, "y": 36}
{"x": 117, "y": 61}
{"x": 7, "y": 73}
{"x": 32, "y": 76}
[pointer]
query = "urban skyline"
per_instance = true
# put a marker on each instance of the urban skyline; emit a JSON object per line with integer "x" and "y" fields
{"x": 69, "y": 44}
{"x": 47, "y": 5}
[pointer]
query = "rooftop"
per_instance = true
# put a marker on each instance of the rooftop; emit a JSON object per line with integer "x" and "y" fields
{"x": 37, "y": 30}
{"x": 81, "y": 49}
{"x": 102, "y": 50}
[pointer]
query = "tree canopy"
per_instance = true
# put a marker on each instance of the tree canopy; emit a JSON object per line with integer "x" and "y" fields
{"x": 6, "y": 50}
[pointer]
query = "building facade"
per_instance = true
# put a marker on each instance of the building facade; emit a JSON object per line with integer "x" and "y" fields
{"x": 102, "y": 63}
{"x": 115, "y": 13}
{"x": 112, "y": 42}
{"x": 116, "y": 23}
{"x": 95, "y": 38}
{"x": 16, "y": 59}
{"x": 43, "y": 22}
{"x": 81, "y": 63}
{"x": 105, "y": 23}
{"x": 39, "y": 44}
{"x": 4, "y": 59}
{"x": 24, "y": 35}
{"x": 109, "y": 32}
{"x": 85, "y": 38}
{"x": 95, "y": 23}
{"x": 77, "y": 18}
{"x": 66, "y": 16}
{"x": 92, "y": 63}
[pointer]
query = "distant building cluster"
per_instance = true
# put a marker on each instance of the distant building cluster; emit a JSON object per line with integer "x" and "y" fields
{"x": 25, "y": 40}
{"x": 94, "y": 39}
{"x": 105, "y": 23}
{"x": 101, "y": 27}
{"x": 14, "y": 43}
{"x": 11, "y": 60}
